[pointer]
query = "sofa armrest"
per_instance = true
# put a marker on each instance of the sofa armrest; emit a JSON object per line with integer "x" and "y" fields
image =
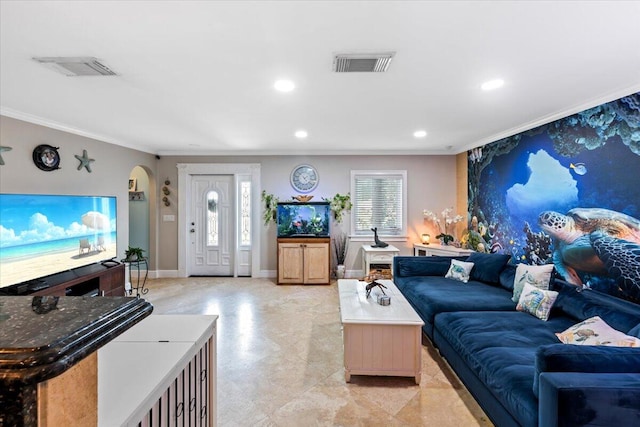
{"x": 579, "y": 399}
{"x": 585, "y": 359}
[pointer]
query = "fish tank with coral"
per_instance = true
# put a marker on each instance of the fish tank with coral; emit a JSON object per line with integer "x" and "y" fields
{"x": 309, "y": 219}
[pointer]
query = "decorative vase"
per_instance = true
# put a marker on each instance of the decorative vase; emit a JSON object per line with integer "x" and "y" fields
{"x": 340, "y": 269}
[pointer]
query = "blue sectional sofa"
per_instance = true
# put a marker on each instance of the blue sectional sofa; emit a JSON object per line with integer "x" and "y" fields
{"x": 512, "y": 362}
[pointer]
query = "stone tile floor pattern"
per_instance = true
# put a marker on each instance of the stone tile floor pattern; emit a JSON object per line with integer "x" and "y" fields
{"x": 280, "y": 361}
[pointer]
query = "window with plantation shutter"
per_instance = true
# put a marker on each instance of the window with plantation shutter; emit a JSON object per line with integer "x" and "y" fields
{"x": 379, "y": 200}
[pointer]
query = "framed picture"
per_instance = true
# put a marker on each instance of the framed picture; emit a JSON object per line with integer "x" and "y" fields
{"x": 133, "y": 185}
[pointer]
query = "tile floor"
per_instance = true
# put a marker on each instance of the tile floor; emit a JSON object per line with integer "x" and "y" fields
{"x": 280, "y": 361}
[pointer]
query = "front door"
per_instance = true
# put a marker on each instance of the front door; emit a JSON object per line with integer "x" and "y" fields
{"x": 211, "y": 226}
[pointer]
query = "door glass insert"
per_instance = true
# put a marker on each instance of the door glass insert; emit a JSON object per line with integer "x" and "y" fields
{"x": 245, "y": 213}
{"x": 212, "y": 218}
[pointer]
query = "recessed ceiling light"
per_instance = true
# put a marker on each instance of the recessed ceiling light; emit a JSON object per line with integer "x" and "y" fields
{"x": 301, "y": 134}
{"x": 420, "y": 133}
{"x": 284, "y": 85}
{"x": 492, "y": 84}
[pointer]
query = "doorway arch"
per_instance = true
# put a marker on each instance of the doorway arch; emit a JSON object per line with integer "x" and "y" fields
{"x": 141, "y": 212}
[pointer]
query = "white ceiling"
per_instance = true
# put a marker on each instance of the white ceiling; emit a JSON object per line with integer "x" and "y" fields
{"x": 197, "y": 77}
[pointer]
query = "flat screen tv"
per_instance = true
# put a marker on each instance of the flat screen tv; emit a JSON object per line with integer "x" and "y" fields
{"x": 42, "y": 234}
{"x": 309, "y": 219}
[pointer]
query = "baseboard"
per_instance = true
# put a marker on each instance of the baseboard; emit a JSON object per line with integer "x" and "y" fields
{"x": 163, "y": 274}
{"x": 268, "y": 274}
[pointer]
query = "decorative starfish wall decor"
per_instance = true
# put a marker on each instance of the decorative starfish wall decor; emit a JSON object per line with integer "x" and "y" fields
{"x": 85, "y": 161}
{"x": 1, "y": 150}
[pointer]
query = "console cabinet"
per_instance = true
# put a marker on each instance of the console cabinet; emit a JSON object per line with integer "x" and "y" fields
{"x": 91, "y": 280}
{"x": 304, "y": 261}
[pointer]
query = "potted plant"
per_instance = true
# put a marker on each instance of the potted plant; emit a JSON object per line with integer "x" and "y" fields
{"x": 339, "y": 204}
{"x": 270, "y": 207}
{"x": 133, "y": 254}
{"x": 447, "y": 220}
{"x": 340, "y": 248}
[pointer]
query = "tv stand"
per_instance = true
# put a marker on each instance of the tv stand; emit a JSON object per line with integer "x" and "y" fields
{"x": 94, "y": 279}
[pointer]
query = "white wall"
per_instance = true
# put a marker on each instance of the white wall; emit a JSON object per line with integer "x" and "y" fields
{"x": 109, "y": 176}
{"x": 431, "y": 185}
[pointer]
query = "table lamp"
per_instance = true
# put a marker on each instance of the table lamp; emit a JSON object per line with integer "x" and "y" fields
{"x": 425, "y": 238}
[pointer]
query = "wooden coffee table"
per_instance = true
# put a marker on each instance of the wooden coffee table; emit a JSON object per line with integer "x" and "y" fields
{"x": 379, "y": 340}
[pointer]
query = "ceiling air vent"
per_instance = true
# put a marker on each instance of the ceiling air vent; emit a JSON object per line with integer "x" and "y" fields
{"x": 362, "y": 63}
{"x": 76, "y": 66}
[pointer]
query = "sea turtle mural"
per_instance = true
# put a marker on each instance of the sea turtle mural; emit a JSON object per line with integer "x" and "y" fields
{"x": 597, "y": 241}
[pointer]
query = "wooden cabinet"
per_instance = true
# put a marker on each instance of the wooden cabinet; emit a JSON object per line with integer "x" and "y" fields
{"x": 304, "y": 261}
{"x": 94, "y": 279}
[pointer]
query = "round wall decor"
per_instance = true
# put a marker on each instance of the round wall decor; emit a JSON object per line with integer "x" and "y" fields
{"x": 304, "y": 178}
{"x": 46, "y": 157}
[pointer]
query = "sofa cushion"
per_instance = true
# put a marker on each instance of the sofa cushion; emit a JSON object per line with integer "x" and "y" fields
{"x": 487, "y": 267}
{"x": 500, "y": 348}
{"x": 535, "y": 275}
{"x": 536, "y": 301}
{"x": 582, "y": 304}
{"x": 595, "y": 331}
{"x": 423, "y": 266}
{"x": 459, "y": 270}
{"x": 438, "y": 294}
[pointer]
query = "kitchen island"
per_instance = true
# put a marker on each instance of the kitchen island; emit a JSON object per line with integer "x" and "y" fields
{"x": 48, "y": 355}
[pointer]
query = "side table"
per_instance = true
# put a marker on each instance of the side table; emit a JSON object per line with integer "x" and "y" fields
{"x": 420, "y": 249}
{"x": 138, "y": 265}
{"x": 372, "y": 255}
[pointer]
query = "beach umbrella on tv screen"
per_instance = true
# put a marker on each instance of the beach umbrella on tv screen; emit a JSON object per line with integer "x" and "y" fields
{"x": 96, "y": 220}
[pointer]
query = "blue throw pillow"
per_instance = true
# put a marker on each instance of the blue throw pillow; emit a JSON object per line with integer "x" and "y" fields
{"x": 487, "y": 267}
{"x": 507, "y": 277}
{"x": 424, "y": 265}
{"x": 583, "y": 304}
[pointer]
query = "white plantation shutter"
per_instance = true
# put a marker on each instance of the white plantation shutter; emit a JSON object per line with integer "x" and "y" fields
{"x": 378, "y": 201}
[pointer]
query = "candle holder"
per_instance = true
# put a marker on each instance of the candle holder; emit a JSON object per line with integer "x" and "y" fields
{"x": 425, "y": 238}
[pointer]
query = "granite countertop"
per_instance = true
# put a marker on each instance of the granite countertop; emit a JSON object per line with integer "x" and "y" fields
{"x": 41, "y": 337}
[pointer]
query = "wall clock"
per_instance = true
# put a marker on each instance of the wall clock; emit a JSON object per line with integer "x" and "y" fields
{"x": 304, "y": 178}
{"x": 46, "y": 157}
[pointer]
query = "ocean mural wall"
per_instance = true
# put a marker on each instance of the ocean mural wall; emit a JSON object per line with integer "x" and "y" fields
{"x": 566, "y": 193}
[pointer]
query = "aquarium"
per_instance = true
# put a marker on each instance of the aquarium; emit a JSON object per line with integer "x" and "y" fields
{"x": 303, "y": 219}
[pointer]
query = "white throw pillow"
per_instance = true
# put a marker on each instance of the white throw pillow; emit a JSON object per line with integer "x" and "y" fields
{"x": 459, "y": 270}
{"x": 536, "y": 301}
{"x": 595, "y": 331}
{"x": 538, "y": 276}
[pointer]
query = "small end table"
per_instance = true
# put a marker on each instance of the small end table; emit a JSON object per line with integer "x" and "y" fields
{"x": 140, "y": 289}
{"x": 372, "y": 255}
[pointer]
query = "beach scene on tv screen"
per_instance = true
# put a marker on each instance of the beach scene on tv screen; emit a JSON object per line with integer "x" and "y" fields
{"x": 42, "y": 235}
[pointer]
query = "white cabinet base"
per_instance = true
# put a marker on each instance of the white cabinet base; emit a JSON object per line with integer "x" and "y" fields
{"x": 161, "y": 372}
{"x": 393, "y": 350}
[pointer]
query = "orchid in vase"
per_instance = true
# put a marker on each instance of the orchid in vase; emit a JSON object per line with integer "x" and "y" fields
{"x": 445, "y": 220}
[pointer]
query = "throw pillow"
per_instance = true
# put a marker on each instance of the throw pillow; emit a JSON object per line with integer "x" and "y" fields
{"x": 538, "y": 276}
{"x": 536, "y": 301}
{"x": 459, "y": 270}
{"x": 487, "y": 267}
{"x": 595, "y": 331}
